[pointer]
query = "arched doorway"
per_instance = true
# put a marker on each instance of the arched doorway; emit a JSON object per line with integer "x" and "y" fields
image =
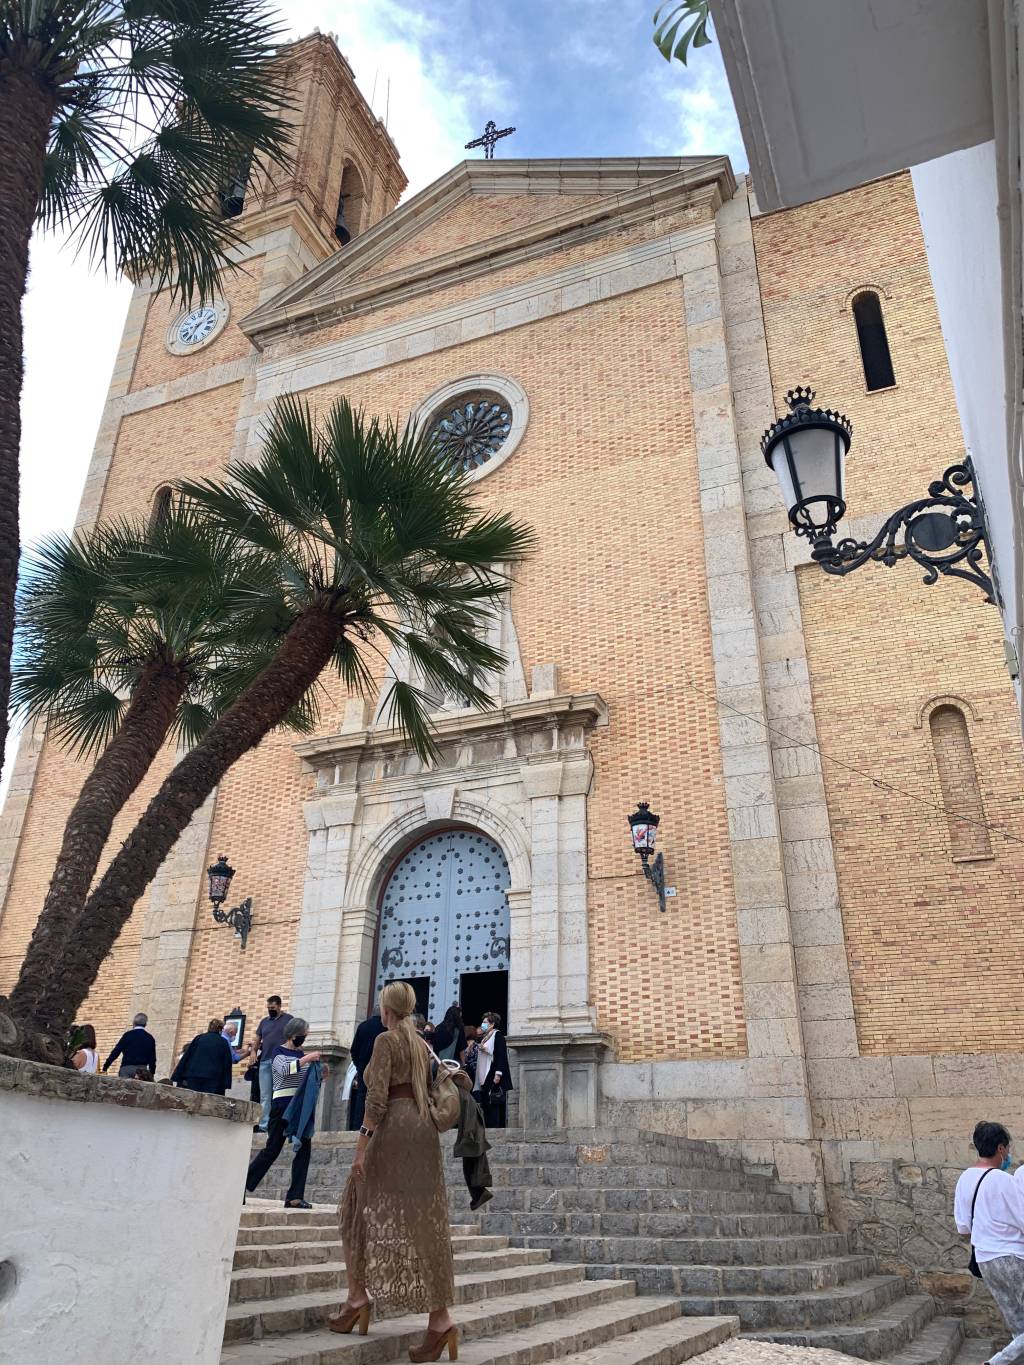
{"x": 444, "y": 925}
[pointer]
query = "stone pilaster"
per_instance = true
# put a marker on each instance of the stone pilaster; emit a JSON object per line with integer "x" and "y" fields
{"x": 767, "y": 957}
{"x": 167, "y": 933}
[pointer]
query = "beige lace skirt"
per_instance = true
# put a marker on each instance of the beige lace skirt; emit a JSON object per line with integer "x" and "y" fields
{"x": 394, "y": 1222}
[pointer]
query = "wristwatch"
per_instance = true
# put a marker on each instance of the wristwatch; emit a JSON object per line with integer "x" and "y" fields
{"x": 366, "y": 1132}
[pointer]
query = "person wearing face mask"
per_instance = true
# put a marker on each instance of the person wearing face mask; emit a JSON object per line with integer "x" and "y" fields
{"x": 988, "y": 1206}
{"x": 286, "y": 1066}
{"x": 493, "y": 1075}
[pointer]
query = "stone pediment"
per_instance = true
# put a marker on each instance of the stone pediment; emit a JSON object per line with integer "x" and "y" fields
{"x": 563, "y": 202}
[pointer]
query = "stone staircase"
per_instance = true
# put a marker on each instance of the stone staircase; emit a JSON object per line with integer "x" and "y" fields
{"x": 515, "y": 1306}
{"x": 581, "y": 1224}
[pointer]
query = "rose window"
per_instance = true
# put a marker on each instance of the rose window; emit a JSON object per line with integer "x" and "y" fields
{"x": 472, "y": 431}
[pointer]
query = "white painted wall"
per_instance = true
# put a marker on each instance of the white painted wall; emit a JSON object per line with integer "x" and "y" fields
{"x": 121, "y": 1226}
{"x": 956, "y": 199}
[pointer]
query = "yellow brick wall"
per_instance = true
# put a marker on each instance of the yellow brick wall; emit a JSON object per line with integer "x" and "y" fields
{"x": 930, "y": 940}
{"x": 441, "y": 240}
{"x": 610, "y": 486}
{"x": 156, "y": 365}
{"x": 477, "y": 218}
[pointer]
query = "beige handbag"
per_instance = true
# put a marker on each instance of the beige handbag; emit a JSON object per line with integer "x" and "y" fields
{"x": 443, "y": 1094}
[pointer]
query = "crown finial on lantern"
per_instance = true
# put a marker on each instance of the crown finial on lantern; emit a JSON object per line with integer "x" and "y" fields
{"x": 800, "y": 397}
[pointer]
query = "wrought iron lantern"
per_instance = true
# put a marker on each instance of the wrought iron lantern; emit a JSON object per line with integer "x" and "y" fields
{"x": 643, "y": 826}
{"x": 240, "y": 918}
{"x": 944, "y": 532}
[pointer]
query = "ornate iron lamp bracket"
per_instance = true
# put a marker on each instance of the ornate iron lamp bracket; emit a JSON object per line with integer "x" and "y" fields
{"x": 655, "y": 874}
{"x": 944, "y": 533}
{"x": 240, "y": 919}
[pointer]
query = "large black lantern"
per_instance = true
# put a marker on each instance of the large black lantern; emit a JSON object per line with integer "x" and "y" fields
{"x": 807, "y": 450}
{"x": 240, "y": 918}
{"x": 643, "y": 828}
{"x": 945, "y": 533}
{"x": 220, "y": 875}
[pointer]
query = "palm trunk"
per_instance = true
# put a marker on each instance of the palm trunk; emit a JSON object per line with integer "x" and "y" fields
{"x": 304, "y": 653}
{"x": 120, "y": 768}
{"x": 26, "y": 110}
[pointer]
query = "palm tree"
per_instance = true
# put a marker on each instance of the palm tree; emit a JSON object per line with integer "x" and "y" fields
{"x": 127, "y": 637}
{"x": 120, "y": 121}
{"x": 376, "y": 542}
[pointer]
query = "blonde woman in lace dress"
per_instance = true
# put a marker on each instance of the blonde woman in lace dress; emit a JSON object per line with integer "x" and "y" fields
{"x": 394, "y": 1210}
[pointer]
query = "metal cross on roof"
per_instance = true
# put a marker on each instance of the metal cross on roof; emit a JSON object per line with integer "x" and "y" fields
{"x": 491, "y": 134}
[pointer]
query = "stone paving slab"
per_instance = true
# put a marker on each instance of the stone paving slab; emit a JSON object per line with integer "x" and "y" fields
{"x": 745, "y": 1352}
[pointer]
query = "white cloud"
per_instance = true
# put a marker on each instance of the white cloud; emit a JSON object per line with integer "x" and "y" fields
{"x": 691, "y": 111}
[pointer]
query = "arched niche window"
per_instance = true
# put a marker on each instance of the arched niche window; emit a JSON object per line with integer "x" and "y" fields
{"x": 351, "y": 205}
{"x": 163, "y": 501}
{"x": 958, "y": 780}
{"x": 874, "y": 344}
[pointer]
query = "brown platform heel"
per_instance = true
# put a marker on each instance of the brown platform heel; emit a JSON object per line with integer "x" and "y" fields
{"x": 433, "y": 1344}
{"x": 347, "y": 1318}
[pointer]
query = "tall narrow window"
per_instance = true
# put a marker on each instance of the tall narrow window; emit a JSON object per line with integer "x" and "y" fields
{"x": 350, "y": 205}
{"x": 161, "y": 507}
{"x": 874, "y": 344}
{"x": 958, "y": 779}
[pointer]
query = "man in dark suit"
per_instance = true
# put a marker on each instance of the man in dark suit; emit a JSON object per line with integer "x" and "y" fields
{"x": 362, "y": 1050}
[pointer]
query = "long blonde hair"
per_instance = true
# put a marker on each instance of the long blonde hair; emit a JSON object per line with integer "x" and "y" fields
{"x": 399, "y": 999}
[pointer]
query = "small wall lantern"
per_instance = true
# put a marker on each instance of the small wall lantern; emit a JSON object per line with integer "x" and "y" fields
{"x": 643, "y": 826}
{"x": 240, "y": 918}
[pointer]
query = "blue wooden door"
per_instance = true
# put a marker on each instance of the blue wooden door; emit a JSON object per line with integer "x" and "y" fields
{"x": 444, "y": 913}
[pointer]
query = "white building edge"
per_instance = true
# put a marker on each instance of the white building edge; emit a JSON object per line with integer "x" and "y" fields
{"x": 833, "y": 93}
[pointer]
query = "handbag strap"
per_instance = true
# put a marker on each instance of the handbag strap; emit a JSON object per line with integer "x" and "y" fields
{"x": 976, "y": 1189}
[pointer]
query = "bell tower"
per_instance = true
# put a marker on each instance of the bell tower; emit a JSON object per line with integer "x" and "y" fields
{"x": 344, "y": 174}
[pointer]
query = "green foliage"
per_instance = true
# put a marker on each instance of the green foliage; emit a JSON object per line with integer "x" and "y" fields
{"x": 97, "y": 610}
{"x": 680, "y": 25}
{"x": 156, "y": 106}
{"x": 363, "y": 519}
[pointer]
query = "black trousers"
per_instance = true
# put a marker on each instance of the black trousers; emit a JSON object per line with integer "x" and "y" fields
{"x": 262, "y": 1161}
{"x": 205, "y": 1085}
{"x": 356, "y": 1106}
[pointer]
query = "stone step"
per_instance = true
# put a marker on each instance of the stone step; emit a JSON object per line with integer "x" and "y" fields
{"x": 938, "y": 1344}
{"x": 305, "y": 1312}
{"x": 267, "y": 1255}
{"x": 876, "y": 1337}
{"x": 673, "y": 1342}
{"x": 667, "y": 1224}
{"x": 514, "y": 1331}
{"x": 285, "y": 1230}
{"x": 328, "y": 1172}
{"x": 611, "y": 1251}
{"x": 976, "y": 1351}
{"x": 282, "y": 1281}
{"x": 518, "y": 1330}
{"x": 815, "y": 1308}
{"x": 753, "y": 1279}
{"x": 650, "y": 1177}
{"x": 485, "y": 1315}
{"x": 523, "y": 1199}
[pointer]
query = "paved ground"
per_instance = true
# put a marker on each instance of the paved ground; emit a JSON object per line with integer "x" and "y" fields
{"x": 767, "y": 1353}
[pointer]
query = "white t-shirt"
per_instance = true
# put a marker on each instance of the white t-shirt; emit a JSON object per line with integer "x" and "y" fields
{"x": 998, "y": 1215}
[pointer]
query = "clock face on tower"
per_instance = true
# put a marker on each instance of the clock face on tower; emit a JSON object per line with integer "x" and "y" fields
{"x": 197, "y": 328}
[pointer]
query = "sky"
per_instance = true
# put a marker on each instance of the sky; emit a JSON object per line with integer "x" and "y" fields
{"x": 576, "y": 78}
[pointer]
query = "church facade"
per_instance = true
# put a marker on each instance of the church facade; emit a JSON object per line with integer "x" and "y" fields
{"x": 833, "y": 985}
